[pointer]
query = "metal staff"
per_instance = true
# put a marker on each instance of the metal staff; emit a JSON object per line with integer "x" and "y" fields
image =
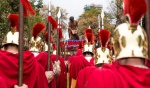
{"x": 102, "y": 16}
{"x": 20, "y": 62}
{"x": 58, "y": 39}
{"x": 98, "y": 22}
{"x": 49, "y": 39}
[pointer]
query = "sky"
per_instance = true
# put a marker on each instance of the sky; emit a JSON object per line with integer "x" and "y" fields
{"x": 76, "y": 7}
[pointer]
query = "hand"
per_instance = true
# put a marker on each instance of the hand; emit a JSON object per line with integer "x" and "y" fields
{"x": 24, "y": 86}
{"x": 56, "y": 68}
{"x": 49, "y": 75}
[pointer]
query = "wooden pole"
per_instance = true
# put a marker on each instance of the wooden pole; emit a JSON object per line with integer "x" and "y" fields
{"x": 49, "y": 44}
{"x": 20, "y": 62}
{"x": 147, "y": 25}
{"x": 49, "y": 39}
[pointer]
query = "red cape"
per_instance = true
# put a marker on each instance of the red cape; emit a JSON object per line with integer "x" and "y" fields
{"x": 2, "y": 83}
{"x": 42, "y": 58}
{"x": 84, "y": 75}
{"x": 59, "y": 81}
{"x": 119, "y": 76}
{"x": 78, "y": 63}
{"x": 33, "y": 72}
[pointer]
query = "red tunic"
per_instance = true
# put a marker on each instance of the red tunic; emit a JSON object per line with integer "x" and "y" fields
{"x": 84, "y": 75}
{"x": 2, "y": 83}
{"x": 78, "y": 63}
{"x": 119, "y": 76}
{"x": 60, "y": 81}
{"x": 42, "y": 58}
{"x": 33, "y": 72}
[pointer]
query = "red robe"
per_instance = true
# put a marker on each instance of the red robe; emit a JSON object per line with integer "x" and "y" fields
{"x": 42, "y": 58}
{"x": 33, "y": 72}
{"x": 2, "y": 83}
{"x": 60, "y": 81}
{"x": 84, "y": 75}
{"x": 78, "y": 63}
{"x": 119, "y": 76}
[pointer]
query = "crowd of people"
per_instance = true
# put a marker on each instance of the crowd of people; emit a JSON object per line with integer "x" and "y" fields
{"x": 123, "y": 63}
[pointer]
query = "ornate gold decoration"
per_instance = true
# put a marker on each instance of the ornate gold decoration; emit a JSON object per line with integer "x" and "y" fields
{"x": 116, "y": 43}
{"x": 96, "y": 57}
{"x": 133, "y": 55}
{"x": 145, "y": 45}
{"x": 133, "y": 28}
{"x": 103, "y": 49}
{"x": 5, "y": 40}
{"x": 140, "y": 41}
{"x": 123, "y": 41}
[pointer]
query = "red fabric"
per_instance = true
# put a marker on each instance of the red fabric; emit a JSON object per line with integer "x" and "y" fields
{"x": 33, "y": 72}
{"x": 2, "y": 83}
{"x": 53, "y": 22}
{"x": 37, "y": 29}
{"x": 42, "y": 58}
{"x": 104, "y": 36}
{"x": 83, "y": 76}
{"x": 119, "y": 76}
{"x": 79, "y": 52}
{"x": 27, "y": 8}
{"x": 135, "y": 10}
{"x": 78, "y": 63}
{"x": 60, "y": 81}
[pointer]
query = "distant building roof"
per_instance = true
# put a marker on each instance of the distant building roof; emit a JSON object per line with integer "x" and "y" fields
{"x": 92, "y": 6}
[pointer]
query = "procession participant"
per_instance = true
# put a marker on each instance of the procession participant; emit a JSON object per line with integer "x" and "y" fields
{"x": 81, "y": 61}
{"x": 36, "y": 41}
{"x": 33, "y": 72}
{"x": 131, "y": 54}
{"x": 102, "y": 56}
{"x": 58, "y": 68}
{"x": 73, "y": 29}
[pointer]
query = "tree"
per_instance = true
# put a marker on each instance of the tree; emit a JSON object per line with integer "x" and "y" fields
{"x": 12, "y": 6}
{"x": 90, "y": 18}
{"x": 116, "y": 11}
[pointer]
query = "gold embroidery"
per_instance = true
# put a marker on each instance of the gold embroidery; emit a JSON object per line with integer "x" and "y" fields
{"x": 123, "y": 41}
{"x": 133, "y": 55}
{"x": 103, "y": 49}
{"x": 116, "y": 43}
{"x": 145, "y": 45}
{"x": 133, "y": 28}
{"x": 140, "y": 41}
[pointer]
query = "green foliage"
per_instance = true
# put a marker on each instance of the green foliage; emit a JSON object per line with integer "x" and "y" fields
{"x": 90, "y": 18}
{"x": 12, "y": 6}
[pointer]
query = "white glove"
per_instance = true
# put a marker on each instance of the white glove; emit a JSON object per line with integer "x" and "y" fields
{"x": 49, "y": 75}
{"x": 56, "y": 68}
{"x": 24, "y": 86}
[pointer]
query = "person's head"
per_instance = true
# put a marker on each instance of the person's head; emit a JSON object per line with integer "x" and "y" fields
{"x": 36, "y": 41}
{"x": 71, "y": 18}
{"x": 88, "y": 47}
{"x": 11, "y": 40}
{"x": 130, "y": 39}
